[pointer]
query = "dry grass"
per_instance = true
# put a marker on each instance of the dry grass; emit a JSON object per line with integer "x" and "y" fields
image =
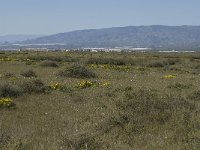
{"x": 138, "y": 109}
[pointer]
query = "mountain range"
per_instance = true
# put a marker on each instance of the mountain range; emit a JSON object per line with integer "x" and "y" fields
{"x": 17, "y": 38}
{"x": 155, "y": 36}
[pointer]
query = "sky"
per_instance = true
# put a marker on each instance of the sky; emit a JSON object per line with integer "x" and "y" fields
{"x": 47, "y": 17}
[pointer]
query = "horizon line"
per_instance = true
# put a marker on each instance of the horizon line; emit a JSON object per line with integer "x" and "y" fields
{"x": 39, "y": 34}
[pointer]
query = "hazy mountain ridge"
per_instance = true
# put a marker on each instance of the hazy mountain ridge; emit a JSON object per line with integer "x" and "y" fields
{"x": 17, "y": 38}
{"x": 135, "y": 36}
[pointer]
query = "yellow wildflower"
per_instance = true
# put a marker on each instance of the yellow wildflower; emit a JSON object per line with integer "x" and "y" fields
{"x": 106, "y": 84}
{"x": 56, "y": 86}
{"x": 6, "y": 102}
{"x": 84, "y": 84}
{"x": 169, "y": 76}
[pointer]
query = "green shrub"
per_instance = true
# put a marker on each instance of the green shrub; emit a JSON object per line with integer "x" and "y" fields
{"x": 163, "y": 63}
{"x": 6, "y": 103}
{"x": 51, "y": 58}
{"x": 156, "y": 64}
{"x": 9, "y": 90}
{"x": 9, "y": 75}
{"x": 172, "y": 61}
{"x": 145, "y": 111}
{"x": 77, "y": 71}
{"x": 179, "y": 86}
{"x": 48, "y": 63}
{"x": 28, "y": 73}
{"x": 195, "y": 72}
{"x": 195, "y": 96}
{"x": 30, "y": 62}
{"x": 197, "y": 66}
{"x": 156, "y": 109}
{"x": 34, "y": 86}
{"x": 175, "y": 68}
{"x": 111, "y": 61}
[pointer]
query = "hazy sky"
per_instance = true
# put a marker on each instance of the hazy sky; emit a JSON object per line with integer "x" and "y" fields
{"x": 53, "y": 16}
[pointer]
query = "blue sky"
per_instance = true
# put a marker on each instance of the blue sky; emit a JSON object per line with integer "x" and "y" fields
{"x": 53, "y": 16}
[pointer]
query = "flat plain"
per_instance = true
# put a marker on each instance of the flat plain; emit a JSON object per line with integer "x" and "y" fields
{"x": 85, "y": 100}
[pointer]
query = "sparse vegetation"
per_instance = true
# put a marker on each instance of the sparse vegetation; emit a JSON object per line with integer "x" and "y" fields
{"x": 77, "y": 71}
{"x": 4, "y": 139}
{"x": 48, "y": 63}
{"x": 9, "y": 90}
{"x": 179, "y": 86}
{"x": 6, "y": 102}
{"x": 33, "y": 86}
{"x": 167, "y": 62}
{"x": 99, "y": 100}
{"x": 28, "y": 73}
{"x": 9, "y": 75}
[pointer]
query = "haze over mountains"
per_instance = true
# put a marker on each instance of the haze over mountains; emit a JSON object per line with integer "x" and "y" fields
{"x": 156, "y": 36}
{"x": 17, "y": 38}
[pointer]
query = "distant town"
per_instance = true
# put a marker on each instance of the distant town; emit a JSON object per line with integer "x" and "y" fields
{"x": 98, "y": 50}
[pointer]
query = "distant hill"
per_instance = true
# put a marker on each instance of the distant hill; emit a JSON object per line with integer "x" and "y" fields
{"x": 17, "y": 38}
{"x": 155, "y": 36}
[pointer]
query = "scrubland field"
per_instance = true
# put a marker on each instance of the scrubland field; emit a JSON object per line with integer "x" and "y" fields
{"x": 99, "y": 101}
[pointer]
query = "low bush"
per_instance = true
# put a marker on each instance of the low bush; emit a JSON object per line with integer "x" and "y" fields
{"x": 157, "y": 64}
{"x": 34, "y": 86}
{"x": 175, "y": 68}
{"x": 30, "y": 62}
{"x": 28, "y": 73}
{"x": 9, "y": 90}
{"x": 195, "y": 96}
{"x": 48, "y": 63}
{"x": 197, "y": 66}
{"x": 6, "y": 102}
{"x": 143, "y": 111}
{"x": 179, "y": 86}
{"x": 9, "y": 75}
{"x": 163, "y": 63}
{"x": 110, "y": 61}
{"x": 51, "y": 58}
{"x": 77, "y": 71}
{"x": 85, "y": 84}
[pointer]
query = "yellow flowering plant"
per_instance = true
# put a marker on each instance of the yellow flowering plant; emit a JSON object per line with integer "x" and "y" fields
{"x": 84, "y": 84}
{"x": 6, "y": 102}
{"x": 56, "y": 86}
{"x": 106, "y": 84}
{"x": 169, "y": 76}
